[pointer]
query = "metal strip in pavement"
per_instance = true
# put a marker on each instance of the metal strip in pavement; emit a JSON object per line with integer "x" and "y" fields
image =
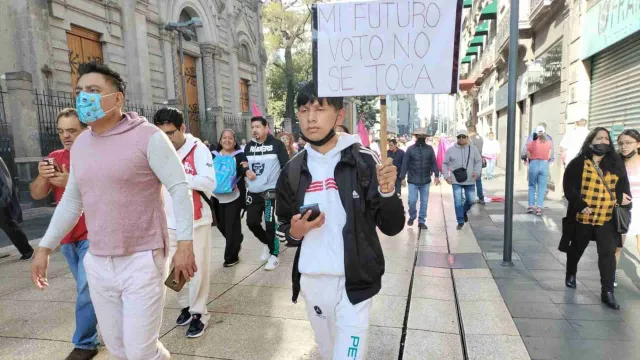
{"x": 451, "y": 261}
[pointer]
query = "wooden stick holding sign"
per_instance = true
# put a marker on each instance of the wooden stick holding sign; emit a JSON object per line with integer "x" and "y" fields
{"x": 383, "y": 128}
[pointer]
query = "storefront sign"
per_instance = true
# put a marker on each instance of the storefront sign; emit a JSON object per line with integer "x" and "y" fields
{"x": 608, "y": 22}
{"x": 546, "y": 70}
{"x": 522, "y": 92}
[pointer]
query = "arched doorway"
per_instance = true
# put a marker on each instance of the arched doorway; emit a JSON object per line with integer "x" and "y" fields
{"x": 191, "y": 80}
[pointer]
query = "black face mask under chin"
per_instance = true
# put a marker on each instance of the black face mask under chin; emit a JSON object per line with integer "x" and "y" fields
{"x": 630, "y": 155}
{"x": 322, "y": 141}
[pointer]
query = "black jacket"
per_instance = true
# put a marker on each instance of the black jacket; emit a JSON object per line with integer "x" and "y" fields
{"x": 363, "y": 257}
{"x": 572, "y": 184}
{"x": 420, "y": 163}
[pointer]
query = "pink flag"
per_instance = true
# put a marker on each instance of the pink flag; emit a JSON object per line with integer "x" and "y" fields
{"x": 362, "y": 132}
{"x": 256, "y": 111}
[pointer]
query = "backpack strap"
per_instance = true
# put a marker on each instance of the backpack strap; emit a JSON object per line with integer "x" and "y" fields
{"x": 295, "y": 168}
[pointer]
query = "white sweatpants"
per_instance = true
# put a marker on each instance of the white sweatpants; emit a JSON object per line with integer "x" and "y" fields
{"x": 195, "y": 294}
{"x": 340, "y": 327}
{"x": 128, "y": 295}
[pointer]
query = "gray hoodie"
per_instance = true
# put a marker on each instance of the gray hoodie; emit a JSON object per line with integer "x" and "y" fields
{"x": 456, "y": 157}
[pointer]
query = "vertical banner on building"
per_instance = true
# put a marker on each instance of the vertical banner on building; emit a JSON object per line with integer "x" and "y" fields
{"x": 389, "y": 47}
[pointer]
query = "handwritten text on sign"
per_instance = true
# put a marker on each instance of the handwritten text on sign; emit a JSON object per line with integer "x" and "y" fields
{"x": 386, "y": 47}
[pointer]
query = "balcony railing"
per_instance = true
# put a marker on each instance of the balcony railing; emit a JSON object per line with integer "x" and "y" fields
{"x": 523, "y": 23}
{"x": 538, "y": 8}
{"x": 486, "y": 59}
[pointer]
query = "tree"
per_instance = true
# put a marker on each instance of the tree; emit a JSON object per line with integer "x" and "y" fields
{"x": 277, "y": 82}
{"x": 286, "y": 26}
{"x": 367, "y": 109}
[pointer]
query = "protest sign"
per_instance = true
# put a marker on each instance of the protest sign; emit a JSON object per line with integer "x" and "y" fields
{"x": 386, "y": 47}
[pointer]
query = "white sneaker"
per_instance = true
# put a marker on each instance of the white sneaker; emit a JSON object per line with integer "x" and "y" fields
{"x": 265, "y": 253}
{"x": 272, "y": 263}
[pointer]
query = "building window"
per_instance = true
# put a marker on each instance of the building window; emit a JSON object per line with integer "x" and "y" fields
{"x": 244, "y": 53}
{"x": 244, "y": 95}
{"x": 84, "y": 46}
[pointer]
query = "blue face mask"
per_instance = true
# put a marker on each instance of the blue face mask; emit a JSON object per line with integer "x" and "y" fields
{"x": 89, "y": 107}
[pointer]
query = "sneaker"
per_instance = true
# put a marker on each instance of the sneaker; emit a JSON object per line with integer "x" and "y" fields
{"x": 272, "y": 263}
{"x": 423, "y": 226}
{"x": 531, "y": 209}
{"x": 481, "y": 201}
{"x": 410, "y": 222}
{"x": 28, "y": 255}
{"x": 231, "y": 263}
{"x": 82, "y": 354}
{"x": 196, "y": 328}
{"x": 184, "y": 318}
{"x": 538, "y": 212}
{"x": 459, "y": 227}
{"x": 265, "y": 253}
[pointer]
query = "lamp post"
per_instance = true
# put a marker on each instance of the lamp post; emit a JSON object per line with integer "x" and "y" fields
{"x": 185, "y": 30}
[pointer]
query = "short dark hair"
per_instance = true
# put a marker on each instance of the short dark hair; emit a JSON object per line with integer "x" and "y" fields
{"x": 219, "y": 146}
{"x": 344, "y": 129}
{"x": 393, "y": 141}
{"x": 262, "y": 120}
{"x": 168, "y": 115}
{"x": 307, "y": 94}
{"x": 68, "y": 112}
{"x": 97, "y": 67}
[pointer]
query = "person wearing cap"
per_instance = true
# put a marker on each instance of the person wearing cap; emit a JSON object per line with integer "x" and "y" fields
{"x": 523, "y": 153}
{"x": 538, "y": 153}
{"x": 419, "y": 163}
{"x": 461, "y": 168}
{"x": 397, "y": 155}
{"x": 573, "y": 140}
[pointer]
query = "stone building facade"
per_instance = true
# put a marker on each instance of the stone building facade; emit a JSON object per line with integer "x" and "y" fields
{"x": 224, "y": 63}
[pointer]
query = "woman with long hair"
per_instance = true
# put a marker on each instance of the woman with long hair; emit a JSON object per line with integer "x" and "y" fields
{"x": 230, "y": 202}
{"x": 538, "y": 152}
{"x": 594, "y": 183}
{"x": 288, "y": 140}
{"x": 629, "y": 146}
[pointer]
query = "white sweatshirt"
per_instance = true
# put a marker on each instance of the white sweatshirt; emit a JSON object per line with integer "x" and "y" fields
{"x": 322, "y": 250}
{"x": 204, "y": 181}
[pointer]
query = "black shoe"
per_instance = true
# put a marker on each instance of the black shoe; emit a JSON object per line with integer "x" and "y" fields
{"x": 459, "y": 227}
{"x": 28, "y": 255}
{"x": 570, "y": 281}
{"x": 196, "y": 328}
{"x": 410, "y": 222}
{"x": 610, "y": 300}
{"x": 184, "y": 318}
{"x": 82, "y": 354}
{"x": 422, "y": 226}
{"x": 466, "y": 218}
{"x": 230, "y": 263}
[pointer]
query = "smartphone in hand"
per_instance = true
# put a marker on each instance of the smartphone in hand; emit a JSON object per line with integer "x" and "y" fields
{"x": 54, "y": 163}
{"x": 315, "y": 211}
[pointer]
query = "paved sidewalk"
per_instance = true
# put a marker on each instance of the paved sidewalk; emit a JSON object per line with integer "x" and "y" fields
{"x": 556, "y": 322}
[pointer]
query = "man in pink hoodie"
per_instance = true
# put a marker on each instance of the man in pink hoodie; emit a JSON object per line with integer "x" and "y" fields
{"x": 119, "y": 167}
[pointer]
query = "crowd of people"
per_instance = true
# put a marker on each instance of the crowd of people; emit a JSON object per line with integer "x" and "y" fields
{"x": 137, "y": 199}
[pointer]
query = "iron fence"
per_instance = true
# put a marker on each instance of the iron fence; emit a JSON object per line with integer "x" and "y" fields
{"x": 48, "y": 106}
{"x": 237, "y": 124}
{"x": 6, "y": 138}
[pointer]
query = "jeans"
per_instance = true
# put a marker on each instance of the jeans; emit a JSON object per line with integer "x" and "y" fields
{"x": 538, "y": 175}
{"x": 491, "y": 168}
{"x": 423, "y": 190}
{"x": 86, "y": 334}
{"x": 479, "y": 188}
{"x": 462, "y": 209}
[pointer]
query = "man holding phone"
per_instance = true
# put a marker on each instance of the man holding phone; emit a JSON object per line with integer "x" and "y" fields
{"x": 53, "y": 174}
{"x": 339, "y": 263}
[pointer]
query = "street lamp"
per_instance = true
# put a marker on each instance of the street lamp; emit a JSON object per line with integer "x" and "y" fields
{"x": 185, "y": 30}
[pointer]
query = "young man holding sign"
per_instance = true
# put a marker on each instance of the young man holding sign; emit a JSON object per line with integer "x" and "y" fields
{"x": 331, "y": 197}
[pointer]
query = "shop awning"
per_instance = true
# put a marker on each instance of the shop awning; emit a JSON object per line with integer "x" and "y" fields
{"x": 482, "y": 29}
{"x": 467, "y": 3}
{"x": 477, "y": 40}
{"x": 472, "y": 51}
{"x": 490, "y": 12}
{"x": 466, "y": 60}
{"x": 467, "y": 84}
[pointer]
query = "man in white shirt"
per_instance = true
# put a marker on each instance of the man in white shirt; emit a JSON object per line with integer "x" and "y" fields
{"x": 573, "y": 140}
{"x": 198, "y": 165}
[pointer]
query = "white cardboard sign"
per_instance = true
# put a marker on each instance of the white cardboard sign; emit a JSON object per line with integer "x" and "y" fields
{"x": 386, "y": 47}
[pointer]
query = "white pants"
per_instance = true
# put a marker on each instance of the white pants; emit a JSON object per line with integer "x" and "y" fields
{"x": 195, "y": 294}
{"x": 128, "y": 295}
{"x": 340, "y": 327}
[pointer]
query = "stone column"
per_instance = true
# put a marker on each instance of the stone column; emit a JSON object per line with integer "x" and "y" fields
{"x": 22, "y": 115}
{"x": 218, "y": 53}
{"x": 218, "y": 116}
{"x": 246, "y": 118}
{"x": 168, "y": 58}
{"x": 175, "y": 59}
{"x": 208, "y": 128}
{"x": 136, "y": 43}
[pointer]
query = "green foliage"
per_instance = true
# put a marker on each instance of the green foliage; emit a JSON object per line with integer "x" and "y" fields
{"x": 277, "y": 83}
{"x": 368, "y": 109}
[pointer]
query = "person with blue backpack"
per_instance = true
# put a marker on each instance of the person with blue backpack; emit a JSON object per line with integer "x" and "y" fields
{"x": 231, "y": 165}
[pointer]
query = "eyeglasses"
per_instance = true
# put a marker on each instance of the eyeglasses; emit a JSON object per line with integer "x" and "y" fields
{"x": 628, "y": 143}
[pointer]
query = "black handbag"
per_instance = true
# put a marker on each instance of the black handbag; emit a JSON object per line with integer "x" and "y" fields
{"x": 621, "y": 215}
{"x": 461, "y": 173}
